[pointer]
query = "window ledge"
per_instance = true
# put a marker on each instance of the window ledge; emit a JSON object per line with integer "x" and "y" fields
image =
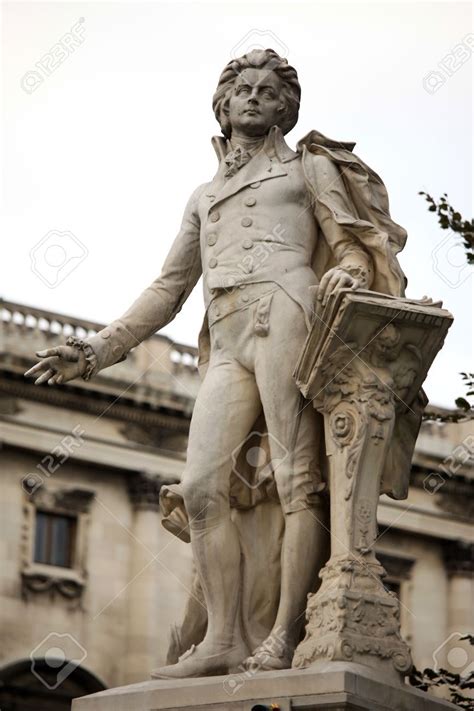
{"x": 38, "y": 578}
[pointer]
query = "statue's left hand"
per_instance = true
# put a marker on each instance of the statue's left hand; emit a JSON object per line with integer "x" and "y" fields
{"x": 334, "y": 279}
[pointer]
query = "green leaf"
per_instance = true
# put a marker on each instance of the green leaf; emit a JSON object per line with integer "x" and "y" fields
{"x": 463, "y": 404}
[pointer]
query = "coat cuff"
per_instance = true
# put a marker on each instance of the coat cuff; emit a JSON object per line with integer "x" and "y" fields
{"x": 108, "y": 347}
{"x": 91, "y": 358}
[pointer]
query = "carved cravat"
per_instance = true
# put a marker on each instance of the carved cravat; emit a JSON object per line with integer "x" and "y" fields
{"x": 235, "y": 160}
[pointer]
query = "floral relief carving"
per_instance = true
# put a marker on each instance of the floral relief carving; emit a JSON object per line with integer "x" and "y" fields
{"x": 353, "y": 620}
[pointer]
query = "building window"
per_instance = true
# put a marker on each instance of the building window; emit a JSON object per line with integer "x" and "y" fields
{"x": 54, "y": 539}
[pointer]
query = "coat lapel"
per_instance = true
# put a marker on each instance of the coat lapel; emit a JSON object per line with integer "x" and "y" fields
{"x": 269, "y": 163}
{"x": 259, "y": 168}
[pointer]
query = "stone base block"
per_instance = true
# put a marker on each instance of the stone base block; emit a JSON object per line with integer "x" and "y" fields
{"x": 333, "y": 686}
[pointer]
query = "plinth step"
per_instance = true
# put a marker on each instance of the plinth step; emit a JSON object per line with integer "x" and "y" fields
{"x": 333, "y": 686}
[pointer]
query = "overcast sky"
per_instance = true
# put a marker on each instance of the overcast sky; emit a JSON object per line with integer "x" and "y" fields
{"x": 107, "y": 124}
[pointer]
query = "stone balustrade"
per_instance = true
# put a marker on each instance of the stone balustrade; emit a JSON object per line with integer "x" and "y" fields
{"x": 159, "y": 363}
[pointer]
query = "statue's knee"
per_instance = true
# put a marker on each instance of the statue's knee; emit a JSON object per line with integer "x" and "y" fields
{"x": 301, "y": 488}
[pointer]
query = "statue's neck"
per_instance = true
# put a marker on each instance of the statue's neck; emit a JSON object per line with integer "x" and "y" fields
{"x": 248, "y": 143}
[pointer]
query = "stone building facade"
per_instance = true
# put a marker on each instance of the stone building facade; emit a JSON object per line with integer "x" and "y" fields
{"x": 91, "y": 583}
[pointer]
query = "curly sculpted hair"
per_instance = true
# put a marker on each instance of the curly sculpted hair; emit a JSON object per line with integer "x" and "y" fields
{"x": 258, "y": 59}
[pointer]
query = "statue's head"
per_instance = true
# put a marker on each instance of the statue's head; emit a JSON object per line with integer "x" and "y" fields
{"x": 255, "y": 92}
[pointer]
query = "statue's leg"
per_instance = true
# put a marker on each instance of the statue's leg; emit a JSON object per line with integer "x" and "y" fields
{"x": 228, "y": 404}
{"x": 305, "y": 550}
{"x": 294, "y": 437}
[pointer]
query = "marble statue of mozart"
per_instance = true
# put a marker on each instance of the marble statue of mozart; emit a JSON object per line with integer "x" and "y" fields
{"x": 272, "y": 234}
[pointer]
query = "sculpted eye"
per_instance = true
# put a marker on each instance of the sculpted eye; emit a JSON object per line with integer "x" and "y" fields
{"x": 243, "y": 90}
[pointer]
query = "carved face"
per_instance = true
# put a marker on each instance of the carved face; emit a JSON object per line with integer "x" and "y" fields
{"x": 255, "y": 104}
{"x": 384, "y": 345}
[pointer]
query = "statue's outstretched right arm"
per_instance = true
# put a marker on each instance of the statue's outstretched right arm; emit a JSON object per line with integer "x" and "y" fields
{"x": 156, "y": 306}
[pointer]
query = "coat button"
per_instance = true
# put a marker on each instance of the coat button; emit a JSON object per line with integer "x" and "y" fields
{"x": 257, "y": 184}
{"x": 105, "y": 334}
{"x": 250, "y": 201}
{"x": 213, "y": 262}
{"x": 228, "y": 282}
{"x": 212, "y": 239}
{"x": 246, "y": 221}
{"x": 247, "y": 244}
{"x": 117, "y": 350}
{"x": 214, "y": 217}
{"x": 217, "y": 311}
{"x": 245, "y": 298}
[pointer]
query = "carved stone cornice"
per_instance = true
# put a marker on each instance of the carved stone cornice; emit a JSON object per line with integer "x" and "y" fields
{"x": 395, "y": 566}
{"x": 163, "y": 438}
{"x": 457, "y": 485}
{"x": 459, "y": 558}
{"x": 74, "y": 500}
{"x": 455, "y": 503}
{"x": 144, "y": 491}
{"x": 83, "y": 400}
{"x": 33, "y": 582}
{"x": 9, "y": 405}
{"x": 451, "y": 494}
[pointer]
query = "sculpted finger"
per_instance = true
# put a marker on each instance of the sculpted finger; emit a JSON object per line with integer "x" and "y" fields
{"x": 66, "y": 352}
{"x": 43, "y": 378}
{"x": 54, "y": 379}
{"x": 343, "y": 280}
{"x": 333, "y": 283}
{"x": 323, "y": 286}
{"x": 31, "y": 371}
{"x": 37, "y": 368}
{"x": 48, "y": 352}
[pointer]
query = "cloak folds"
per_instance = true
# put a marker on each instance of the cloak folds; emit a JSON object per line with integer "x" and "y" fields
{"x": 363, "y": 210}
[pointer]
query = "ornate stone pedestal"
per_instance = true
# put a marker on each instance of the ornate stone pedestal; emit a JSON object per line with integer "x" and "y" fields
{"x": 362, "y": 367}
{"x": 333, "y": 686}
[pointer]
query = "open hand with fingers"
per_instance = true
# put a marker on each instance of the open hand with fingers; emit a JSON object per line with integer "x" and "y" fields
{"x": 334, "y": 279}
{"x": 58, "y": 365}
